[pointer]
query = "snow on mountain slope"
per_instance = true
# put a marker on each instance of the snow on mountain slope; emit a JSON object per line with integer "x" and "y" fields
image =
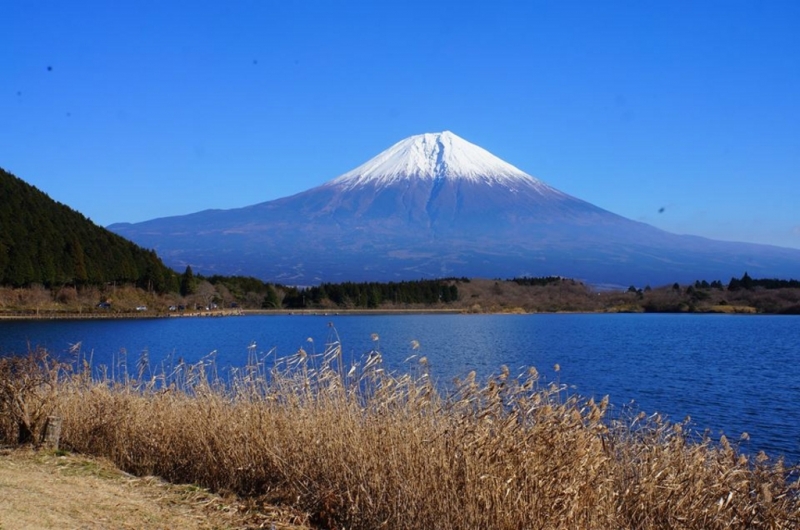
{"x": 435, "y": 157}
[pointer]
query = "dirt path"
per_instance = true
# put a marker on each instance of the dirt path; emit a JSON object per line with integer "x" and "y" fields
{"x": 42, "y": 490}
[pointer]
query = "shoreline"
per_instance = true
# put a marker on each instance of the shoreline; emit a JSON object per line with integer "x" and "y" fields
{"x": 224, "y": 313}
{"x": 43, "y": 315}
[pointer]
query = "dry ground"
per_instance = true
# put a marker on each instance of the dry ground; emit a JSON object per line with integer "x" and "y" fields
{"x": 42, "y": 490}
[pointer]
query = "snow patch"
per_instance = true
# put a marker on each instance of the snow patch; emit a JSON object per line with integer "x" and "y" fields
{"x": 437, "y": 156}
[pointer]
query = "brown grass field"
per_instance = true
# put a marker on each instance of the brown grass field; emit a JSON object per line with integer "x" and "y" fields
{"x": 57, "y": 490}
{"x": 356, "y": 447}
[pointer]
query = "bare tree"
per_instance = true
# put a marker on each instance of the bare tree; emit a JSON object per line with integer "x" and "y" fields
{"x": 206, "y": 292}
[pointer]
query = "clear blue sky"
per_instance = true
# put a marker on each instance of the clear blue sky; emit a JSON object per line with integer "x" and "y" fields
{"x": 128, "y": 111}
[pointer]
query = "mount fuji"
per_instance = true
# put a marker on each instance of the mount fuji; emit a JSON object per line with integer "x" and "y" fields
{"x": 435, "y": 205}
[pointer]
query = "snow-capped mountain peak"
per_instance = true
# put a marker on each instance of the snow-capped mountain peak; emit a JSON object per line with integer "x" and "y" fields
{"x": 434, "y": 156}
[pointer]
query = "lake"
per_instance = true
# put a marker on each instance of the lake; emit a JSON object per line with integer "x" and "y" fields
{"x": 730, "y": 373}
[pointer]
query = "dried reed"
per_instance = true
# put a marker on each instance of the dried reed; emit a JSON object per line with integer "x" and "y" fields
{"x": 358, "y": 447}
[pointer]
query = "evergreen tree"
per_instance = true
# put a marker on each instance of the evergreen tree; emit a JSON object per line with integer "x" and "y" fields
{"x": 373, "y": 297}
{"x": 453, "y": 293}
{"x": 188, "y": 282}
{"x": 76, "y": 254}
{"x": 4, "y": 260}
{"x": 20, "y": 270}
{"x": 271, "y": 299}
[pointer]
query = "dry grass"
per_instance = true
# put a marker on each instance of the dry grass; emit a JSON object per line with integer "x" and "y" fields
{"x": 732, "y": 309}
{"x": 53, "y": 490}
{"x": 357, "y": 447}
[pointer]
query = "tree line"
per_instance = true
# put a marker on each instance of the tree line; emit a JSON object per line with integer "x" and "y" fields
{"x": 748, "y": 283}
{"x": 539, "y": 280}
{"x": 363, "y": 295}
{"x": 371, "y": 295}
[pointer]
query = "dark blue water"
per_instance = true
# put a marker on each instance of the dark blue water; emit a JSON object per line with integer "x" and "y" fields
{"x": 731, "y": 374}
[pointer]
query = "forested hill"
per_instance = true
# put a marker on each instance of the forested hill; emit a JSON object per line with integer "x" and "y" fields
{"x": 45, "y": 242}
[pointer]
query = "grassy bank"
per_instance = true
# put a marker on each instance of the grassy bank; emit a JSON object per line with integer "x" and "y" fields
{"x": 357, "y": 447}
{"x": 57, "y": 490}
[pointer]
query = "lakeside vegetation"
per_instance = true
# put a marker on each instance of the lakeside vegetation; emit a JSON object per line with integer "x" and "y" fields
{"x": 356, "y": 447}
{"x": 217, "y": 294}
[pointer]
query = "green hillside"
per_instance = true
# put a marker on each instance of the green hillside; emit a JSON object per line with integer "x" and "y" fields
{"x": 45, "y": 242}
